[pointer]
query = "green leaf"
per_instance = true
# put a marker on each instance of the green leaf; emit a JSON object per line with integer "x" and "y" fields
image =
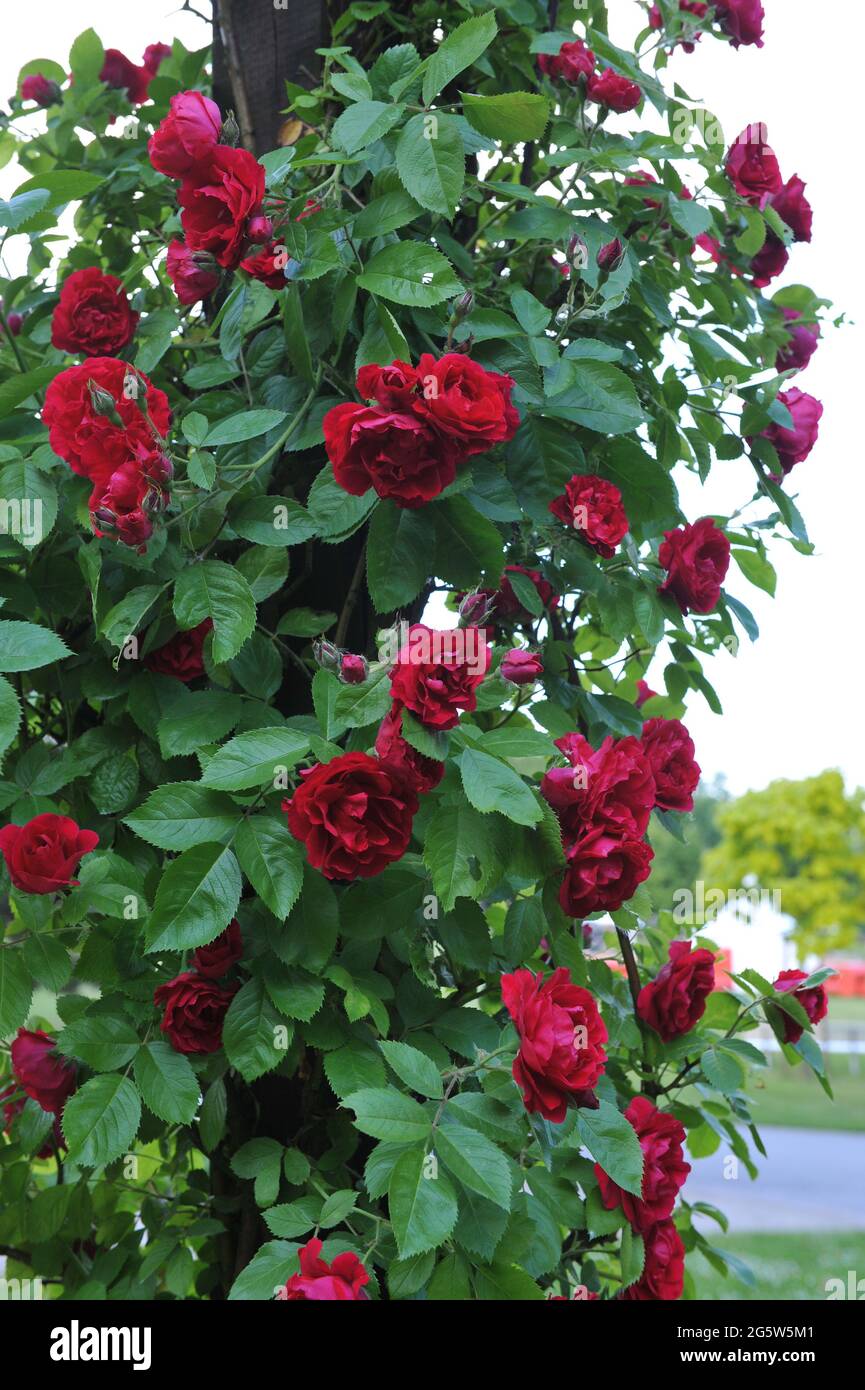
{"x": 211, "y": 1121}
{"x": 253, "y": 759}
{"x": 491, "y": 785}
{"x": 525, "y": 924}
{"x": 632, "y": 1257}
{"x": 467, "y": 544}
{"x": 261, "y": 1160}
{"x": 397, "y": 555}
{"x": 25, "y": 646}
{"x": 722, "y": 1070}
{"x": 101, "y": 1120}
{"x": 272, "y": 861}
{"x": 354, "y": 1068}
{"x": 86, "y": 57}
{"x": 602, "y": 398}
{"x": 475, "y": 1161}
{"x": 509, "y": 116}
{"x": 294, "y": 1218}
{"x": 410, "y": 272}
{"x": 254, "y": 1035}
{"x": 457, "y": 52}
{"x": 28, "y": 492}
{"x": 385, "y": 214}
{"x": 16, "y": 991}
{"x": 613, "y": 1143}
{"x": 296, "y": 995}
{"x": 366, "y": 703}
{"x": 214, "y": 589}
{"x": 101, "y": 1042}
{"x": 121, "y": 621}
{"x": 168, "y": 1085}
{"x": 196, "y": 899}
{"x": 199, "y": 716}
{"x": 414, "y": 1068}
{"x": 430, "y": 160}
{"x": 423, "y": 1209}
{"x": 509, "y": 1283}
{"x": 10, "y": 715}
{"x": 183, "y": 814}
{"x": 273, "y": 521}
{"x": 455, "y": 836}
{"x": 363, "y": 123}
{"x": 47, "y": 960}
{"x": 269, "y": 1268}
{"x": 386, "y": 1113}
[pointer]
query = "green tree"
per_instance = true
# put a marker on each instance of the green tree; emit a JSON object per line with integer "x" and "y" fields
{"x": 680, "y": 848}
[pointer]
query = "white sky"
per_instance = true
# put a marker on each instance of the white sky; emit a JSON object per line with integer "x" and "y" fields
{"x": 792, "y": 702}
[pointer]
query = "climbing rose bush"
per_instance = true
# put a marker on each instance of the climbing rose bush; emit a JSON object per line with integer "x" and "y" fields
{"x": 341, "y": 531}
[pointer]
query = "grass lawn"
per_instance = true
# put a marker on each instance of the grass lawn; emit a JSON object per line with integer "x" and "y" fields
{"x": 785, "y": 1266}
{"x": 785, "y": 1095}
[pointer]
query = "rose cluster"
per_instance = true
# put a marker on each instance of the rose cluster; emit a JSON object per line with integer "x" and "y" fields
{"x": 575, "y": 63}
{"x": 195, "y": 1003}
{"x": 110, "y": 423}
{"x": 424, "y": 422}
{"x": 117, "y": 71}
{"x": 740, "y": 20}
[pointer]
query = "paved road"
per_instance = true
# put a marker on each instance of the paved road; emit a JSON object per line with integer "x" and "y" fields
{"x": 812, "y": 1180}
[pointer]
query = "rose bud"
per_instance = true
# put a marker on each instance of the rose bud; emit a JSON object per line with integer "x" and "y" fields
{"x": 476, "y": 609}
{"x": 327, "y": 655}
{"x": 106, "y": 518}
{"x": 41, "y": 90}
{"x": 104, "y": 403}
{"x": 160, "y": 469}
{"x": 14, "y": 322}
{"x": 610, "y": 257}
{"x": 353, "y": 669}
{"x": 259, "y": 229}
{"x": 230, "y": 133}
{"x": 521, "y": 668}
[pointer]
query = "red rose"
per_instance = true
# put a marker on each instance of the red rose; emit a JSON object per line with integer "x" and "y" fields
{"x": 154, "y": 56}
{"x": 611, "y": 255}
{"x": 192, "y": 281}
{"x": 752, "y": 167}
{"x": 183, "y": 143}
{"x": 562, "y": 1036}
{"x": 669, "y": 751}
{"x": 40, "y": 89}
{"x": 742, "y": 20}
{"x": 664, "y": 1169}
{"x": 593, "y": 507}
{"x": 216, "y": 959}
{"x": 615, "y": 92}
{"x": 696, "y": 558}
{"x": 93, "y": 315}
{"x": 353, "y": 669}
{"x": 124, "y": 506}
{"x": 394, "y": 387}
{"x": 611, "y": 787}
{"x": 464, "y": 401}
{"x": 194, "y": 1012}
{"x": 768, "y": 262}
{"x": 48, "y": 1078}
{"x": 422, "y": 772}
{"x": 216, "y": 201}
{"x": 354, "y": 814}
{"x": 522, "y": 668}
{"x": 92, "y": 444}
{"x": 813, "y": 1001}
{"x": 603, "y": 872}
{"x": 268, "y": 265}
{"x": 344, "y": 1278}
{"x": 794, "y": 445}
{"x": 120, "y": 72}
{"x": 675, "y": 1000}
{"x": 396, "y": 454}
{"x": 793, "y": 208}
{"x": 663, "y": 1276}
{"x": 437, "y": 673}
{"x": 42, "y": 855}
{"x": 644, "y": 693}
{"x": 801, "y": 344}
{"x": 182, "y": 656}
{"x": 573, "y": 61}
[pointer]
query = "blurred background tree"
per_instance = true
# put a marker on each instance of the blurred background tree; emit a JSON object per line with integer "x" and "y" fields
{"x": 678, "y": 857}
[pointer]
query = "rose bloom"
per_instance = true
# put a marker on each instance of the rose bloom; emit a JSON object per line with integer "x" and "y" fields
{"x": 191, "y": 280}
{"x": 194, "y": 1011}
{"x": 344, "y": 1278}
{"x": 154, "y": 56}
{"x": 801, "y": 344}
{"x": 93, "y": 315}
{"x": 522, "y": 668}
{"x": 613, "y": 91}
{"x": 394, "y": 387}
{"x": 397, "y": 455}
{"x": 793, "y": 208}
{"x": 663, "y": 1276}
{"x": 562, "y": 1036}
{"x": 42, "y": 855}
{"x": 814, "y": 1001}
{"x": 669, "y": 751}
{"x": 742, "y": 20}
{"x": 698, "y": 8}
{"x": 794, "y": 445}
{"x": 612, "y": 787}
{"x": 216, "y": 959}
{"x": 182, "y": 656}
{"x": 120, "y": 72}
{"x": 604, "y": 871}
{"x": 182, "y": 144}
{"x": 610, "y": 257}
{"x": 124, "y": 507}
{"x": 464, "y": 401}
{"x": 593, "y": 508}
{"x": 573, "y": 61}
{"x": 644, "y": 693}
{"x": 48, "y": 1078}
{"x": 91, "y": 444}
{"x": 752, "y": 167}
{"x": 40, "y": 89}
{"x": 769, "y": 261}
{"x": 696, "y": 558}
{"x": 664, "y": 1169}
{"x": 268, "y": 265}
{"x": 675, "y": 1000}
{"x": 424, "y": 773}
{"x": 216, "y": 201}
{"x": 433, "y": 679}
{"x": 354, "y": 814}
